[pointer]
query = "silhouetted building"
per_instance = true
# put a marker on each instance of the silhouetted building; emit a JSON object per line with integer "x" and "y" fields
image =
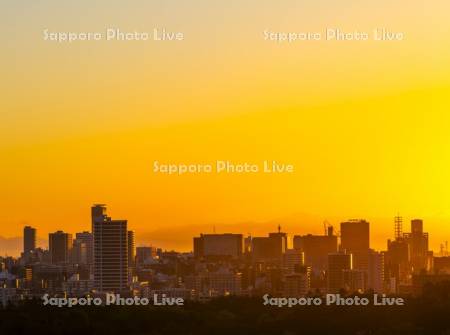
{"x": 316, "y": 249}
{"x": 98, "y": 214}
{"x": 79, "y": 252}
{"x": 282, "y": 236}
{"x": 198, "y": 247}
{"x": 418, "y": 246}
{"x": 355, "y": 240}
{"x": 397, "y": 263}
{"x": 60, "y": 246}
{"x": 29, "y": 239}
{"x": 88, "y": 239}
{"x": 376, "y": 271}
{"x": 131, "y": 250}
{"x": 269, "y": 248}
{"x": 248, "y": 245}
{"x": 293, "y": 260}
{"x": 110, "y": 252}
{"x": 337, "y": 264}
{"x": 218, "y": 245}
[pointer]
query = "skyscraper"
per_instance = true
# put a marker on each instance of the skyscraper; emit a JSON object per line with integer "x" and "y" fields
{"x": 79, "y": 252}
{"x": 98, "y": 214}
{"x": 29, "y": 239}
{"x": 355, "y": 240}
{"x": 110, "y": 252}
{"x": 338, "y": 263}
{"x": 397, "y": 263}
{"x": 283, "y": 236}
{"x": 418, "y": 246}
{"x": 131, "y": 249}
{"x": 376, "y": 271}
{"x": 87, "y": 238}
{"x": 293, "y": 260}
{"x": 60, "y": 245}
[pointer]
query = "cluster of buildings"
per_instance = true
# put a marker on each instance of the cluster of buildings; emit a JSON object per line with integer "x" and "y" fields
{"x": 106, "y": 260}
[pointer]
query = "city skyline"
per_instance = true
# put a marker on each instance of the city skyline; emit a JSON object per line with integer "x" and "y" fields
{"x": 162, "y": 237}
{"x": 105, "y": 262}
{"x": 213, "y": 229}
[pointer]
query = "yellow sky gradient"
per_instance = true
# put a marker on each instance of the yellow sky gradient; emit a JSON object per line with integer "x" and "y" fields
{"x": 366, "y": 124}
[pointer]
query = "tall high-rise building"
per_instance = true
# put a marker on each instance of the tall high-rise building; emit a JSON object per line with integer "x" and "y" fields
{"x": 376, "y": 271}
{"x": 338, "y": 263}
{"x": 293, "y": 260}
{"x": 199, "y": 250}
{"x": 79, "y": 252}
{"x": 247, "y": 245}
{"x": 418, "y": 245}
{"x": 29, "y": 239}
{"x": 88, "y": 239}
{"x": 60, "y": 246}
{"x": 98, "y": 214}
{"x": 110, "y": 252}
{"x": 397, "y": 262}
{"x": 355, "y": 240}
{"x": 131, "y": 249}
{"x": 282, "y": 236}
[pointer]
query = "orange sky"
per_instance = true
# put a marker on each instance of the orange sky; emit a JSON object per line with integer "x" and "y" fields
{"x": 365, "y": 124}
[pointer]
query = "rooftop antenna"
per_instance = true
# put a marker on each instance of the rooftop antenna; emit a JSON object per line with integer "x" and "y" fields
{"x": 279, "y": 229}
{"x": 214, "y": 229}
{"x": 398, "y": 226}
